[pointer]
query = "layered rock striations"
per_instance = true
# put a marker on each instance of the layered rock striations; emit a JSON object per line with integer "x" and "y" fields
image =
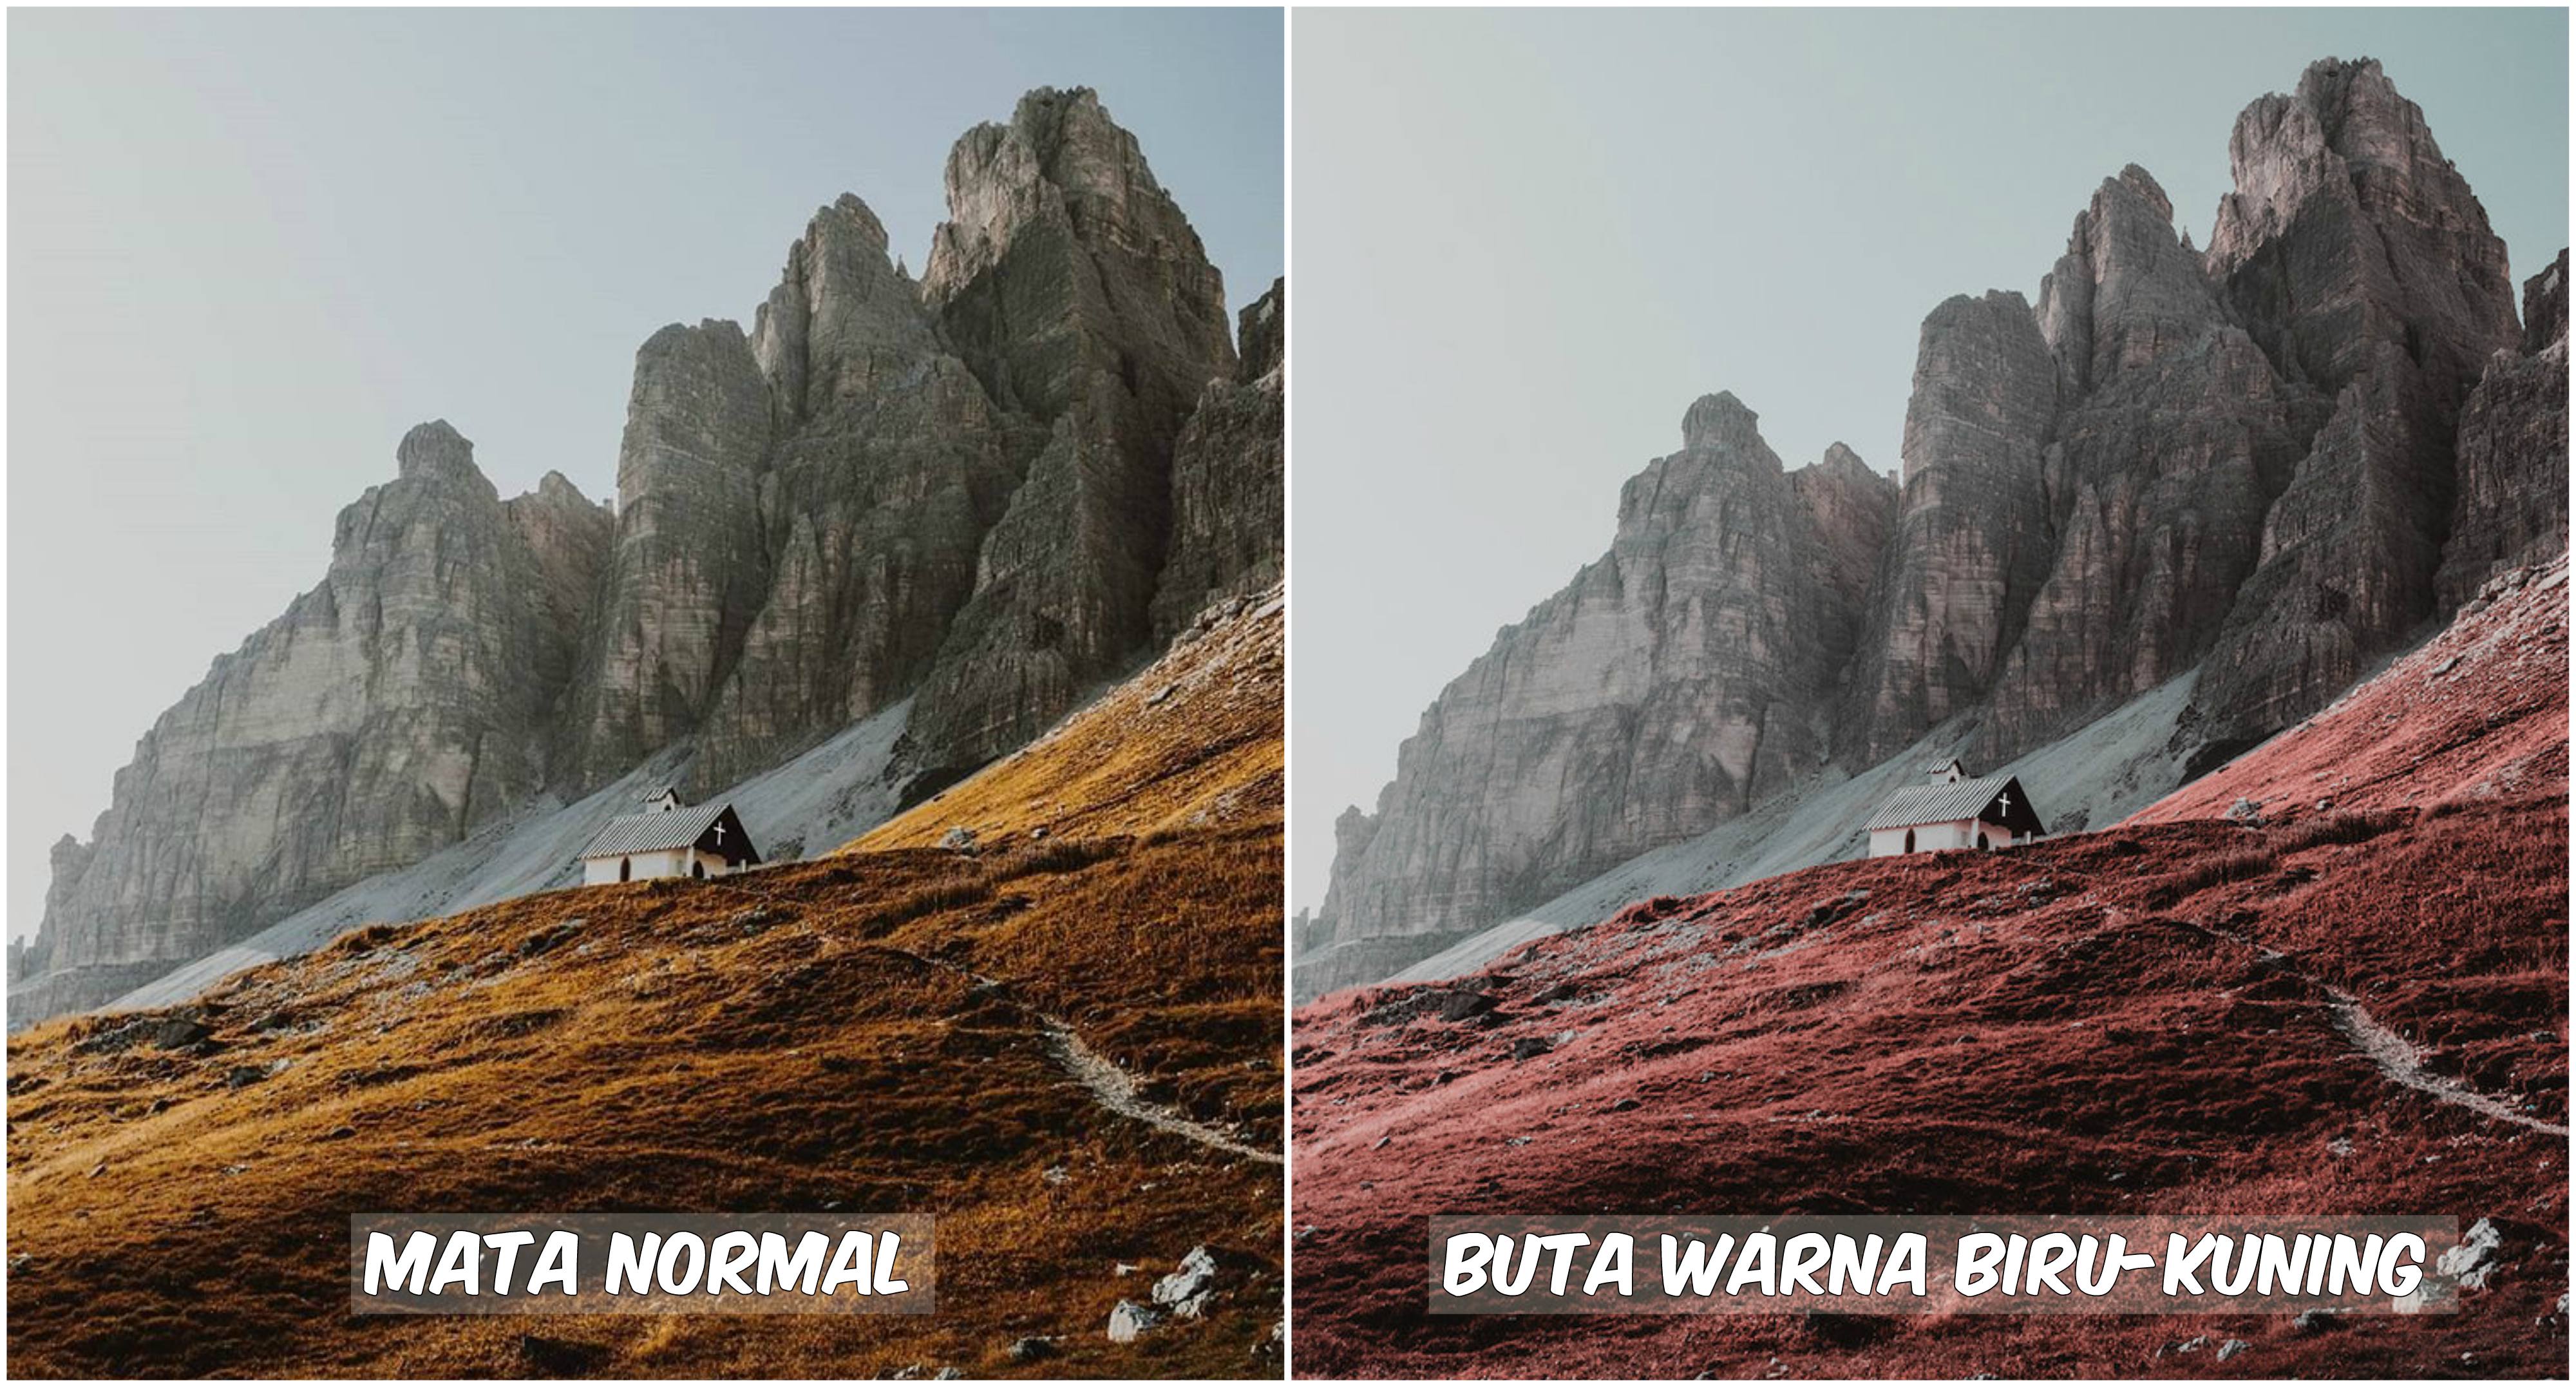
{"x": 1229, "y": 478}
{"x": 687, "y": 573}
{"x": 891, "y": 466}
{"x": 1076, "y": 291}
{"x": 402, "y": 702}
{"x": 2270, "y": 463}
{"x": 985, "y": 492}
{"x": 2357, "y": 256}
{"x": 2512, "y": 450}
{"x": 2174, "y": 434}
{"x": 1677, "y": 680}
{"x": 1971, "y": 540}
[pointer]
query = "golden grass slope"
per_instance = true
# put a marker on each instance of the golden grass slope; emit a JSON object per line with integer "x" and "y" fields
{"x": 881, "y": 1030}
{"x": 802, "y": 1038}
{"x": 1194, "y": 741}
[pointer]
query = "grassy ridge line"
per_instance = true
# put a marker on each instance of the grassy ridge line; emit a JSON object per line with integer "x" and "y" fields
{"x": 1195, "y": 740}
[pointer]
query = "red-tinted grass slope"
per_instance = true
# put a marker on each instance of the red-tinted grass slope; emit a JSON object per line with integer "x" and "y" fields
{"x": 2166, "y": 1016}
{"x": 2479, "y": 711}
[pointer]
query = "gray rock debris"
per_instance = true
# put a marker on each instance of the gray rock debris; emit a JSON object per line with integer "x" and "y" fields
{"x": 1128, "y": 1320}
{"x": 2474, "y": 1261}
{"x": 1186, "y": 1292}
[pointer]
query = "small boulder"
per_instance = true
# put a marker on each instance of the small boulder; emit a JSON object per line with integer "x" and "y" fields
{"x": 1031, "y": 1349}
{"x": 2474, "y": 1260}
{"x": 2232, "y": 1348}
{"x": 1186, "y": 1292}
{"x": 1529, "y": 1048}
{"x": 179, "y": 1032}
{"x": 1458, "y": 1006}
{"x": 1127, "y": 1320}
{"x": 547, "y": 939}
{"x": 958, "y": 840}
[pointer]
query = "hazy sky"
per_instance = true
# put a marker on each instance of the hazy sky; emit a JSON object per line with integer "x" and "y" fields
{"x": 1527, "y": 240}
{"x": 248, "y": 250}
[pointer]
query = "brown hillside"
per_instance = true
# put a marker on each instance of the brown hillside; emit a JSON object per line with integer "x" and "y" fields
{"x": 1192, "y": 742}
{"x": 801, "y": 1038}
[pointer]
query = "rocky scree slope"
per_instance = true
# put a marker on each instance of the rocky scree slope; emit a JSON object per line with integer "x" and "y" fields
{"x": 2264, "y": 466}
{"x": 2350, "y": 1000}
{"x": 975, "y": 499}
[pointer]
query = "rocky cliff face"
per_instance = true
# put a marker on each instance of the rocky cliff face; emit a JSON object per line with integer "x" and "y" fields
{"x": 395, "y": 707}
{"x": 2512, "y": 446}
{"x": 1078, "y": 294}
{"x": 2174, "y": 434}
{"x": 892, "y": 465}
{"x": 1971, "y": 540}
{"x": 2271, "y": 462}
{"x": 1679, "y": 678}
{"x": 2355, "y": 254}
{"x": 1229, "y": 477}
{"x": 686, "y": 575}
{"x": 963, "y": 491}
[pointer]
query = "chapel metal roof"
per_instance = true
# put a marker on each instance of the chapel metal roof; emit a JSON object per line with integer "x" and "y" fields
{"x": 654, "y": 832}
{"x": 1935, "y": 804}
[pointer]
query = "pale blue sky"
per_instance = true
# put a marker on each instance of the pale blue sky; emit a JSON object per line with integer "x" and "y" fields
{"x": 1527, "y": 240}
{"x": 247, "y": 250}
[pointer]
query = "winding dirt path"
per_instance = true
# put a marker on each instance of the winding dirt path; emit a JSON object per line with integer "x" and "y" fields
{"x": 2398, "y": 1058}
{"x": 1112, "y": 1089}
{"x": 1107, "y": 1084}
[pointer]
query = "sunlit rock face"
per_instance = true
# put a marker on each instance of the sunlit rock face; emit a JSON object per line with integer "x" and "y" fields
{"x": 1075, "y": 290}
{"x": 1680, "y": 678}
{"x": 404, "y": 701}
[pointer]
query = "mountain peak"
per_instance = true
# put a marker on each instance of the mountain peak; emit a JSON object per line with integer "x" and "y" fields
{"x": 849, "y": 212}
{"x": 1719, "y": 420}
{"x": 437, "y": 450}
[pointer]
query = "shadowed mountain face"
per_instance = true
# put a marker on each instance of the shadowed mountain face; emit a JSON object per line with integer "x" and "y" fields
{"x": 987, "y": 492}
{"x": 2264, "y": 466}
